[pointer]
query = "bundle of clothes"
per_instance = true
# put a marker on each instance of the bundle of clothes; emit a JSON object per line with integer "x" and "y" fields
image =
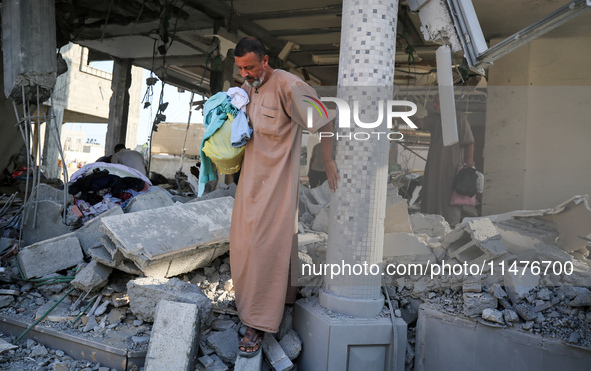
{"x": 226, "y": 132}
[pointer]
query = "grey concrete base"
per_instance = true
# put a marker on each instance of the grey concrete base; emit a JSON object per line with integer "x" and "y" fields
{"x": 337, "y": 342}
{"x": 351, "y": 307}
{"x": 447, "y": 342}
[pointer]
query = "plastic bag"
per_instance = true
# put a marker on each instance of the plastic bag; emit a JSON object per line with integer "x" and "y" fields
{"x": 219, "y": 149}
{"x": 465, "y": 181}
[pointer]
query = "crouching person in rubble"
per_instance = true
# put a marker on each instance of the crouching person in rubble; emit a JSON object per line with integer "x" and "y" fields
{"x": 263, "y": 231}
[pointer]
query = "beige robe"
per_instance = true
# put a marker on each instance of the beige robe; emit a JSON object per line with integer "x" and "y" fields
{"x": 263, "y": 218}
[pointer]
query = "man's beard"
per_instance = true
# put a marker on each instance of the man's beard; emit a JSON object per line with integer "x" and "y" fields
{"x": 255, "y": 83}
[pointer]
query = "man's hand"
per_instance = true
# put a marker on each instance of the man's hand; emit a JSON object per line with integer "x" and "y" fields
{"x": 332, "y": 174}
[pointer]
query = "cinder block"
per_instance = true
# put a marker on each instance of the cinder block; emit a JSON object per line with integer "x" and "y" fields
{"x": 476, "y": 242}
{"x": 145, "y": 293}
{"x": 50, "y": 256}
{"x": 175, "y": 337}
{"x": 49, "y": 223}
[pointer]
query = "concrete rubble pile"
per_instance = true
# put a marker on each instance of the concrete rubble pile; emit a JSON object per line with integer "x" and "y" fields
{"x": 180, "y": 253}
{"x": 511, "y": 251}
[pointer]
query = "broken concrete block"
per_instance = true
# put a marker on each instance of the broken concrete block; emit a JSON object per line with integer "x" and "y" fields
{"x": 291, "y": 344}
{"x": 493, "y": 315}
{"x": 155, "y": 198}
{"x": 472, "y": 287}
{"x": 476, "y": 303}
{"x": 249, "y": 364}
{"x": 204, "y": 257}
{"x": 45, "y": 192}
{"x": 583, "y": 299}
{"x": 50, "y": 256}
{"x": 397, "y": 220}
{"x": 404, "y": 248}
{"x": 526, "y": 312}
{"x": 275, "y": 354}
{"x": 92, "y": 277}
{"x": 6, "y": 300}
{"x": 510, "y": 316}
{"x": 222, "y": 191}
{"x": 225, "y": 344}
{"x": 182, "y": 232}
{"x": 145, "y": 293}
{"x": 217, "y": 365}
{"x": 6, "y": 346}
{"x": 475, "y": 242}
{"x": 430, "y": 224}
{"x": 322, "y": 221}
{"x": 89, "y": 234}
{"x": 286, "y": 323}
{"x": 49, "y": 222}
{"x": 518, "y": 285}
{"x": 175, "y": 337}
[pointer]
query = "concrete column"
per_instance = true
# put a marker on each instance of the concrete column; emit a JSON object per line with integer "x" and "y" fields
{"x": 50, "y": 147}
{"x": 119, "y": 104}
{"x": 359, "y": 340}
{"x": 356, "y": 232}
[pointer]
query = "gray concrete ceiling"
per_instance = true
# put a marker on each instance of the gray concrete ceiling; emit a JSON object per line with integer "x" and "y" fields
{"x": 134, "y": 28}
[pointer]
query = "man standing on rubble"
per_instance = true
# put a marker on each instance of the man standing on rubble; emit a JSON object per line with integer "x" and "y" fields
{"x": 442, "y": 165}
{"x": 263, "y": 233}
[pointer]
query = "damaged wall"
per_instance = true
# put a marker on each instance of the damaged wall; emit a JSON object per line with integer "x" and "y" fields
{"x": 537, "y": 125}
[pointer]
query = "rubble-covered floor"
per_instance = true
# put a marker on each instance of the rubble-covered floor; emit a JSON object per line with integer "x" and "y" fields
{"x": 551, "y": 305}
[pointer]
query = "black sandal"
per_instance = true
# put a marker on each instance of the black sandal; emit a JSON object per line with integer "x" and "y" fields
{"x": 252, "y": 338}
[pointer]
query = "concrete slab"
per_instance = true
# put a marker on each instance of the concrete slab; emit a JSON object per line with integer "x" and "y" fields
{"x": 145, "y": 293}
{"x": 155, "y": 236}
{"x": 431, "y": 225}
{"x": 155, "y": 198}
{"x": 217, "y": 365}
{"x": 50, "y": 256}
{"x": 404, "y": 248}
{"x": 89, "y": 234}
{"x": 202, "y": 258}
{"x": 337, "y": 342}
{"x": 480, "y": 347}
{"x": 48, "y": 225}
{"x": 174, "y": 339}
{"x": 397, "y": 220}
{"x": 225, "y": 344}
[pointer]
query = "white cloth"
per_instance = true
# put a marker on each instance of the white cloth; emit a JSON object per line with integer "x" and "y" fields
{"x": 239, "y": 98}
{"x": 115, "y": 169}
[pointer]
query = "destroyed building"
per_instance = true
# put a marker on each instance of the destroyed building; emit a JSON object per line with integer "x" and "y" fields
{"x": 145, "y": 283}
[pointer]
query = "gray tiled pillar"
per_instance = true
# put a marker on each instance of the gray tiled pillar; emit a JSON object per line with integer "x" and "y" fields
{"x": 356, "y": 231}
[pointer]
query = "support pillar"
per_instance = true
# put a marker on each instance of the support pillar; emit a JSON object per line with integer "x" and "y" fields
{"x": 118, "y": 105}
{"x": 359, "y": 339}
{"x": 50, "y": 147}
